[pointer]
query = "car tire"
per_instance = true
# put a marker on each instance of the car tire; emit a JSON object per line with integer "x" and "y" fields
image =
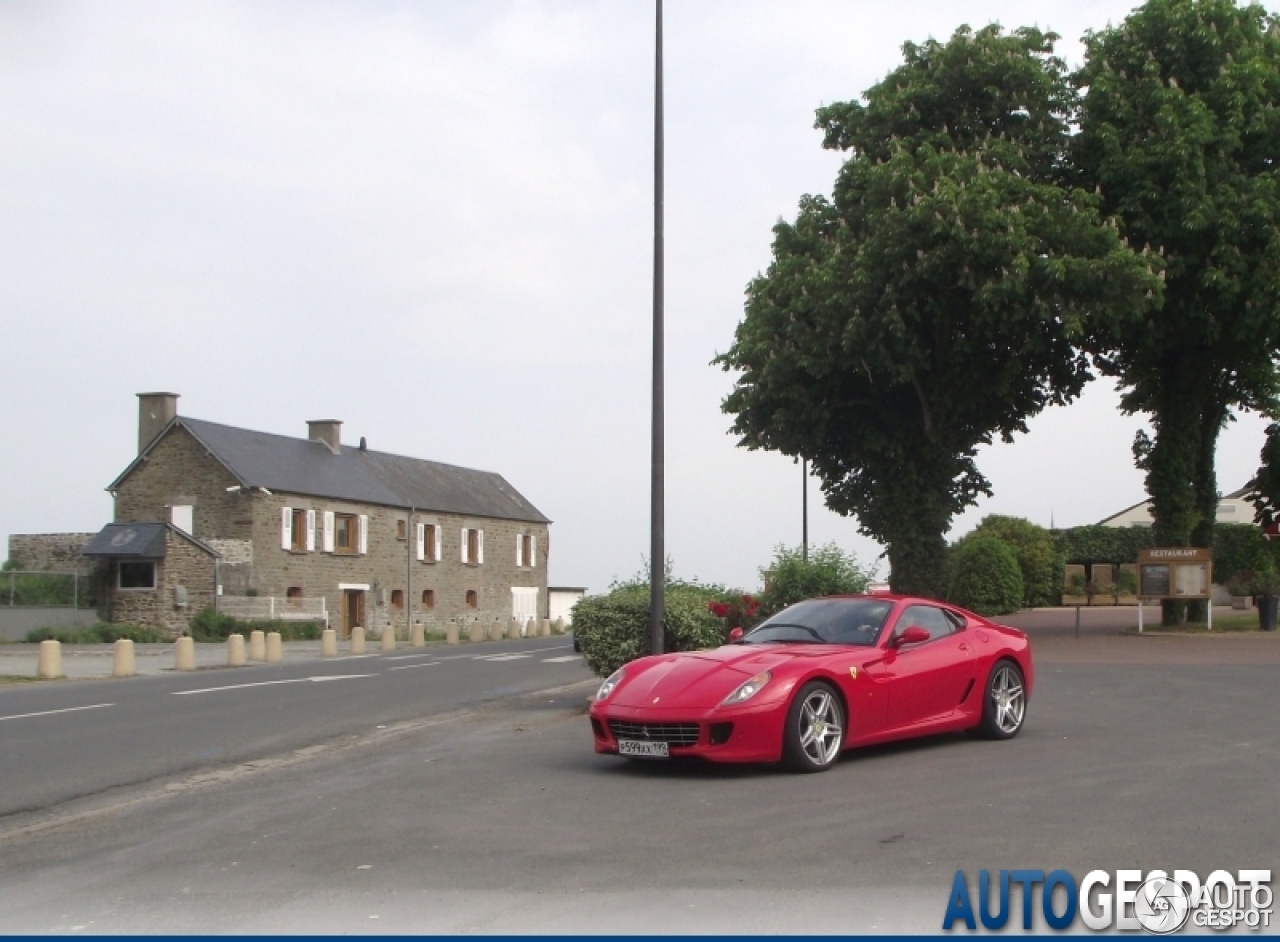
{"x": 1004, "y": 702}
{"x": 815, "y": 727}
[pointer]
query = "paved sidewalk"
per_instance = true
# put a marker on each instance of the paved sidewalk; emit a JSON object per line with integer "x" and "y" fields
{"x": 80, "y": 661}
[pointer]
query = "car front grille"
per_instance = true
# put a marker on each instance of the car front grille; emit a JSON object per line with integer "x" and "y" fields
{"x": 674, "y": 734}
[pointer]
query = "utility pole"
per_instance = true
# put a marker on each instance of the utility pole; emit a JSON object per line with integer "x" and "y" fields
{"x": 804, "y": 509}
{"x": 657, "y": 536}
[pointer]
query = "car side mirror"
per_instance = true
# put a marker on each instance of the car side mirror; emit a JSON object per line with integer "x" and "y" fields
{"x": 735, "y": 635}
{"x": 913, "y": 635}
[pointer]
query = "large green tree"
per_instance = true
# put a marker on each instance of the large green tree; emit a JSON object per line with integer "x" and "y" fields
{"x": 936, "y": 300}
{"x": 1180, "y": 134}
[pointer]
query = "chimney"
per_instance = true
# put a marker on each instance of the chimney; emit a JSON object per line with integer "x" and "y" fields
{"x": 328, "y": 431}
{"x": 155, "y": 411}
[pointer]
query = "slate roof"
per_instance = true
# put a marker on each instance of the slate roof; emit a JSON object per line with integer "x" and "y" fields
{"x": 136, "y": 541}
{"x": 299, "y": 466}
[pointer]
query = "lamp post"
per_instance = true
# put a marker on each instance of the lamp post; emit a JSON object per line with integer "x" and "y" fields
{"x": 804, "y": 509}
{"x": 657, "y": 541}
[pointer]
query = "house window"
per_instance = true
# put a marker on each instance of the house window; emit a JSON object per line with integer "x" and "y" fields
{"x": 471, "y": 598}
{"x": 526, "y": 547}
{"x": 431, "y": 542}
{"x": 397, "y": 598}
{"x": 428, "y": 598}
{"x": 293, "y": 596}
{"x": 182, "y": 516}
{"x": 298, "y": 531}
{"x": 138, "y": 575}
{"x": 473, "y": 547}
{"x": 402, "y": 529}
{"x": 347, "y": 535}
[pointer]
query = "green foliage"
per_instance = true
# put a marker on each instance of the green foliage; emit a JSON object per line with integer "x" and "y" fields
{"x": 209, "y": 625}
{"x": 1034, "y": 549}
{"x": 1179, "y": 133}
{"x": 790, "y": 578}
{"x": 1237, "y": 548}
{"x": 101, "y": 633}
{"x": 1264, "y": 489}
{"x": 613, "y": 629}
{"x": 38, "y": 588}
{"x": 937, "y": 299}
{"x": 985, "y": 577}
{"x": 1098, "y": 544}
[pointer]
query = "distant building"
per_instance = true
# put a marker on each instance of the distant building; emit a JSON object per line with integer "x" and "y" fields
{"x": 1232, "y": 508}
{"x": 268, "y": 525}
{"x": 562, "y": 600}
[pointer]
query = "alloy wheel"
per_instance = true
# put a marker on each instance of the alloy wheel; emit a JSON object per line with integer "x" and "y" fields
{"x": 1008, "y": 699}
{"x": 820, "y": 732}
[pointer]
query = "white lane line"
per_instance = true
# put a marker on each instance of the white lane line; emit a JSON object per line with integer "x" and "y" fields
{"x": 405, "y": 657}
{"x": 409, "y": 667}
{"x": 23, "y": 716}
{"x": 271, "y": 683}
{"x": 492, "y": 658}
{"x": 561, "y": 660}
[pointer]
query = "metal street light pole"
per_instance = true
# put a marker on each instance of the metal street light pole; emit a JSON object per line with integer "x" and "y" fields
{"x": 804, "y": 509}
{"x": 657, "y": 541}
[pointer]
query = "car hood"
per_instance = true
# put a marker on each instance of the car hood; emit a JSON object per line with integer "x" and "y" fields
{"x": 703, "y": 679}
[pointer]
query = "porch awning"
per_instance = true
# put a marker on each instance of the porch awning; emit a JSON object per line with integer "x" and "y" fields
{"x": 128, "y": 541}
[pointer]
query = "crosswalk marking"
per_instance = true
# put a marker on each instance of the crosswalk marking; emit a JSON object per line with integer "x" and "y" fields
{"x": 502, "y": 657}
{"x": 562, "y": 660}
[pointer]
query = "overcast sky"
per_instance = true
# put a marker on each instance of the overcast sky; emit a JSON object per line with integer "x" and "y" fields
{"x": 433, "y": 220}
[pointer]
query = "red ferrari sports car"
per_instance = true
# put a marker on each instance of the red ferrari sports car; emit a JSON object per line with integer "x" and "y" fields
{"x": 818, "y": 677}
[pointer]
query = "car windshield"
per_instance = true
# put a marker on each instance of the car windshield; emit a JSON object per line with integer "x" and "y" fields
{"x": 824, "y": 621}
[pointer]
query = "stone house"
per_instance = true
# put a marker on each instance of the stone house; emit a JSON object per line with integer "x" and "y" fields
{"x": 263, "y": 525}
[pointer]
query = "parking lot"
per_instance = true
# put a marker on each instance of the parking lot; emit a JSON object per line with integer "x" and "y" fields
{"x": 1139, "y": 753}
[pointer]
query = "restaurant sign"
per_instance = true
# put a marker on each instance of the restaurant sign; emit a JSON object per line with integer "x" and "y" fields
{"x": 1175, "y": 572}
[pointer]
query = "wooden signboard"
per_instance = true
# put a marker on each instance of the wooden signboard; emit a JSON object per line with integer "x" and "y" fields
{"x": 1175, "y": 572}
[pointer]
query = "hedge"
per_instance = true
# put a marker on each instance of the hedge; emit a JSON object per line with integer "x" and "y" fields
{"x": 209, "y": 625}
{"x": 985, "y": 577}
{"x": 1034, "y": 549}
{"x": 613, "y": 629}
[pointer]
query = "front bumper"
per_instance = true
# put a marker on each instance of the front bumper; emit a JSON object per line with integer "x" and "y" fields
{"x": 740, "y": 734}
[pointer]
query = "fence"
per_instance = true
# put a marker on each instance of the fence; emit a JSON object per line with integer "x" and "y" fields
{"x": 39, "y": 588}
{"x": 272, "y": 608}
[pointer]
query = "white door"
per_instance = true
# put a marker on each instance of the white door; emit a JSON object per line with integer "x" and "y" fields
{"x": 524, "y": 607}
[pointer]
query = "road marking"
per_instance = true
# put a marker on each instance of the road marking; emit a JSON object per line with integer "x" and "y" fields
{"x": 561, "y": 660}
{"x": 270, "y": 683}
{"x": 23, "y": 716}
{"x": 409, "y": 667}
{"x": 405, "y": 657}
{"x": 493, "y": 658}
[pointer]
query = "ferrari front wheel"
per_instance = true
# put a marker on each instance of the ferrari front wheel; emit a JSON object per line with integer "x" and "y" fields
{"x": 815, "y": 729}
{"x": 1005, "y": 705}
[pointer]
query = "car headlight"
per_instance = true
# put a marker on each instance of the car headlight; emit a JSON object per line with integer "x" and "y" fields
{"x": 610, "y": 683}
{"x": 747, "y": 689}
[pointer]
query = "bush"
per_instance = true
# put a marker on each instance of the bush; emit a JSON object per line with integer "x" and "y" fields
{"x": 613, "y": 629}
{"x": 209, "y": 625}
{"x": 985, "y": 577}
{"x": 101, "y": 633}
{"x": 1033, "y": 548}
{"x": 791, "y": 578}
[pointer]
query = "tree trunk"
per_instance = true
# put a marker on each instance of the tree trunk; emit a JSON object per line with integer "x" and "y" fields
{"x": 917, "y": 566}
{"x": 1213, "y": 418}
{"x": 1172, "y": 466}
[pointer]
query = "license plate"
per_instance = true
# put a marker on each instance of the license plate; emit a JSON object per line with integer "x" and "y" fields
{"x": 649, "y": 750}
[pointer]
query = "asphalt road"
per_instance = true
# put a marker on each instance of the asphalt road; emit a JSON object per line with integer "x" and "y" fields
{"x": 66, "y": 740}
{"x": 503, "y": 820}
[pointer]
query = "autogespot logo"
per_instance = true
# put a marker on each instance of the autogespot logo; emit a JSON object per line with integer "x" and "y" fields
{"x": 1155, "y": 902}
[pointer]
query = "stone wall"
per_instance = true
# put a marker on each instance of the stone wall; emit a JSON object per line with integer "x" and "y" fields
{"x": 185, "y": 566}
{"x": 51, "y": 551}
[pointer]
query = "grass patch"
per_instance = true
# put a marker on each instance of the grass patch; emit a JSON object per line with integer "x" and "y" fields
{"x": 101, "y": 633}
{"x": 1222, "y": 625}
{"x": 16, "y": 679}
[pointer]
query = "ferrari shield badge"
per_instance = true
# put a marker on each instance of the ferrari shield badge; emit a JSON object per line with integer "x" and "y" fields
{"x": 853, "y": 672}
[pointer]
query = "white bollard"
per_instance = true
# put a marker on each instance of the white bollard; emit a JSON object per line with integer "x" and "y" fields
{"x": 184, "y": 654}
{"x": 275, "y": 648}
{"x": 389, "y": 638}
{"x": 49, "y": 665}
{"x": 357, "y": 640}
{"x": 235, "y": 650}
{"x": 418, "y": 635}
{"x": 557, "y": 626}
{"x": 514, "y": 628}
{"x": 495, "y": 631}
{"x": 476, "y": 633}
{"x": 122, "y": 662}
{"x": 257, "y": 646}
{"x": 328, "y": 643}
{"x": 546, "y": 628}
{"x": 451, "y": 633}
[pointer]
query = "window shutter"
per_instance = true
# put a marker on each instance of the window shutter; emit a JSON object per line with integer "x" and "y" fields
{"x": 311, "y": 531}
{"x": 533, "y": 551}
{"x": 364, "y": 534}
{"x": 439, "y": 542}
{"x": 480, "y": 547}
{"x": 422, "y": 542}
{"x": 286, "y": 528}
{"x": 519, "y": 550}
{"x": 328, "y": 531}
{"x": 464, "y": 545}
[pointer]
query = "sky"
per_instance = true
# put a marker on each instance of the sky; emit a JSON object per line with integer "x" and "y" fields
{"x": 433, "y": 221}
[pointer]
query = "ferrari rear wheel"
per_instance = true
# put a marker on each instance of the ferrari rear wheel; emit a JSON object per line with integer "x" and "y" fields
{"x": 815, "y": 729}
{"x": 1005, "y": 705}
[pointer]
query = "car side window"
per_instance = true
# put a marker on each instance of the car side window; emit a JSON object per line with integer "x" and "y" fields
{"x": 932, "y": 620}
